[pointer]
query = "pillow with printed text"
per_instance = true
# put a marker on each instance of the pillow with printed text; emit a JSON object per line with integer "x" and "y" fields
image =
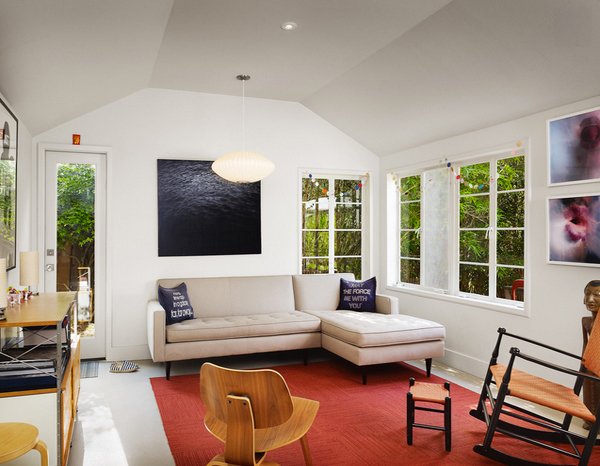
{"x": 357, "y": 296}
{"x": 176, "y": 303}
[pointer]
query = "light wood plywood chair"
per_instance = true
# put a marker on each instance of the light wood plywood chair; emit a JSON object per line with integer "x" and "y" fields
{"x": 502, "y": 412}
{"x": 252, "y": 412}
{"x": 17, "y": 438}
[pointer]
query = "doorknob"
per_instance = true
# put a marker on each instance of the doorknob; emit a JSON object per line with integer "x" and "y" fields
{"x": 49, "y": 267}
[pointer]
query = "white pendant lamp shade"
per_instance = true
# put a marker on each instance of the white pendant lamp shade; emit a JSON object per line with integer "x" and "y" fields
{"x": 243, "y": 167}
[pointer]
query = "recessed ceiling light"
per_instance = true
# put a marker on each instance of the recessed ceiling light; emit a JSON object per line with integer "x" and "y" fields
{"x": 289, "y": 26}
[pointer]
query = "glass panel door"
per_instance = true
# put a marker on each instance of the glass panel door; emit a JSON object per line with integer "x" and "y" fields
{"x": 75, "y": 192}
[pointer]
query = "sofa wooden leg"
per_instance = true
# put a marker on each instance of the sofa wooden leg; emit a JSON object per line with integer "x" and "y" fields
{"x": 364, "y": 374}
{"x": 428, "y": 366}
{"x": 168, "y": 370}
{"x": 305, "y": 356}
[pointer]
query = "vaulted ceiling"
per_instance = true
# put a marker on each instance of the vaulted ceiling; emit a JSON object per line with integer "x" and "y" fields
{"x": 391, "y": 74}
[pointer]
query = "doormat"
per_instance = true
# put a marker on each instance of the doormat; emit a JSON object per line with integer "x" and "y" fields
{"x": 89, "y": 369}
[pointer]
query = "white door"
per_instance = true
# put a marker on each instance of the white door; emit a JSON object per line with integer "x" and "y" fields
{"x": 74, "y": 248}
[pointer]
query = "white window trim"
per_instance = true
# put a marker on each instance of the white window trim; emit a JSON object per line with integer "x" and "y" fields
{"x": 452, "y": 295}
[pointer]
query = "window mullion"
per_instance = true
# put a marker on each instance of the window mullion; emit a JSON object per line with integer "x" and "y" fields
{"x": 494, "y": 226}
{"x": 332, "y": 202}
{"x": 420, "y": 233}
{"x": 454, "y": 231}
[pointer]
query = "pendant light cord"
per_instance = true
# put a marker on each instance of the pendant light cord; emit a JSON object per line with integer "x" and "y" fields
{"x": 244, "y": 115}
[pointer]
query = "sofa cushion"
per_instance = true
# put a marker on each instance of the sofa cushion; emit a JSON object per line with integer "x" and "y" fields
{"x": 176, "y": 303}
{"x": 253, "y": 325}
{"x": 366, "y": 329}
{"x": 318, "y": 291}
{"x": 358, "y": 296}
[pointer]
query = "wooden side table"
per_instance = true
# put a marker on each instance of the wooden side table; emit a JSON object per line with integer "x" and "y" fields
{"x": 18, "y": 438}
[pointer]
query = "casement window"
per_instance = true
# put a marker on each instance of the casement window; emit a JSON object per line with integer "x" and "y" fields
{"x": 461, "y": 227}
{"x": 333, "y": 224}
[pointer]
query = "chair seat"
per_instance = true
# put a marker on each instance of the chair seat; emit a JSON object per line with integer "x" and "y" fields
{"x": 429, "y": 392}
{"x": 543, "y": 392}
{"x": 290, "y": 431}
{"x": 16, "y": 439}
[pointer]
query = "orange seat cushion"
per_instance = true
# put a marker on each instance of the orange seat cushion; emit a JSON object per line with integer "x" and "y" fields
{"x": 543, "y": 392}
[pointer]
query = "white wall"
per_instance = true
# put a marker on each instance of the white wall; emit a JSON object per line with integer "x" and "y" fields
{"x": 155, "y": 123}
{"x": 555, "y": 291}
{"x": 25, "y": 186}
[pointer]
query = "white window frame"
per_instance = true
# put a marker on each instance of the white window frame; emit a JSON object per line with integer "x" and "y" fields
{"x": 452, "y": 294}
{"x": 366, "y": 223}
{"x": 492, "y": 230}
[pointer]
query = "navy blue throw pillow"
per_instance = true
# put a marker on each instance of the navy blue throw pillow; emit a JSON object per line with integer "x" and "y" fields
{"x": 176, "y": 303}
{"x": 357, "y": 296}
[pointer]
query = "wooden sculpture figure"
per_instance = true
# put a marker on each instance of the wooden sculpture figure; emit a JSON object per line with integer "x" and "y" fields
{"x": 591, "y": 299}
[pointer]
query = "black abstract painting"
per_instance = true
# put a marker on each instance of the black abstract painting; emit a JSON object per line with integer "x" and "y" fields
{"x": 201, "y": 214}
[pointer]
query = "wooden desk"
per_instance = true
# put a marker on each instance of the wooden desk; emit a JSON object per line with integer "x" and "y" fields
{"x": 45, "y": 309}
{"x": 53, "y": 410}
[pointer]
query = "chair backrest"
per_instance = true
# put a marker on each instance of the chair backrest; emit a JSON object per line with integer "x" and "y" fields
{"x": 268, "y": 393}
{"x": 518, "y": 283}
{"x": 591, "y": 355}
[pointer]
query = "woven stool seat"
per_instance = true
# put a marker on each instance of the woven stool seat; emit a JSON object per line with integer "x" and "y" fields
{"x": 429, "y": 392}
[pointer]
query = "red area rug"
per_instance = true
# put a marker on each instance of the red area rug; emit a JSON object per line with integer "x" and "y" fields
{"x": 356, "y": 424}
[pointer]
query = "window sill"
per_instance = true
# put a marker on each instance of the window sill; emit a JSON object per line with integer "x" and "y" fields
{"x": 517, "y": 310}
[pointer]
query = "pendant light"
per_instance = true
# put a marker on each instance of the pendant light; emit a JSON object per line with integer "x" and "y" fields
{"x": 243, "y": 166}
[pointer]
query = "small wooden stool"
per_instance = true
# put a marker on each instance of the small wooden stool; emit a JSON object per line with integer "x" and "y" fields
{"x": 429, "y": 393}
{"x": 17, "y": 438}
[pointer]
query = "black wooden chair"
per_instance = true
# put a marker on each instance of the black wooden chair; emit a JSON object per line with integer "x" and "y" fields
{"x": 513, "y": 420}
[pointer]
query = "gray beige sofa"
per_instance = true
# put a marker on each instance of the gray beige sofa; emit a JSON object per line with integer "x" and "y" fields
{"x": 244, "y": 315}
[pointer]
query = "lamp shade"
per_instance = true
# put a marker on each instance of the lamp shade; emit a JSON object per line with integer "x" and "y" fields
{"x": 28, "y": 268}
{"x": 3, "y": 283}
{"x": 243, "y": 167}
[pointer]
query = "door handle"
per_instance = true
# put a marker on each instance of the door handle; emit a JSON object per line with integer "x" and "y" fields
{"x": 49, "y": 267}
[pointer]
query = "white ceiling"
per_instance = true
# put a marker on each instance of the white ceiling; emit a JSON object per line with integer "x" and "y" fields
{"x": 390, "y": 73}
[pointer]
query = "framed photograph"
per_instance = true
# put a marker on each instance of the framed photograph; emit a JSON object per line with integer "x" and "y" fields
{"x": 201, "y": 214}
{"x": 9, "y": 132}
{"x": 574, "y": 230}
{"x": 574, "y": 148}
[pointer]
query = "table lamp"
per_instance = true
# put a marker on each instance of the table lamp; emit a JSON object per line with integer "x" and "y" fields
{"x": 29, "y": 269}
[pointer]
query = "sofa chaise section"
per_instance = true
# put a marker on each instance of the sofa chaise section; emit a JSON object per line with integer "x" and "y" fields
{"x": 367, "y": 338}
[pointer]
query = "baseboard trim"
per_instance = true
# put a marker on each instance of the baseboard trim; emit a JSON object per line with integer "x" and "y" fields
{"x": 465, "y": 363}
{"x": 451, "y": 358}
{"x": 121, "y": 353}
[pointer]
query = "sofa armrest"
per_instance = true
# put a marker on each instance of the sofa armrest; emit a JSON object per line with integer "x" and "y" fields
{"x": 386, "y": 304}
{"x": 157, "y": 332}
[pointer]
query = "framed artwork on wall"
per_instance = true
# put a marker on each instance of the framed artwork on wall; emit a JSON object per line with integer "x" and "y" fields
{"x": 574, "y": 230}
{"x": 9, "y": 131}
{"x": 574, "y": 148}
{"x": 202, "y": 214}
